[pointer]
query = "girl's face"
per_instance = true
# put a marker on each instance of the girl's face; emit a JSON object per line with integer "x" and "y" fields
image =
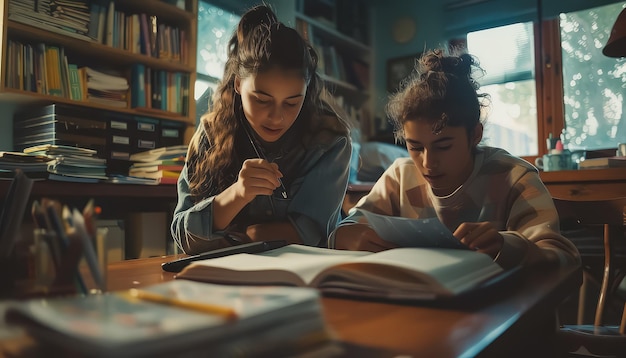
{"x": 444, "y": 160}
{"x": 272, "y": 101}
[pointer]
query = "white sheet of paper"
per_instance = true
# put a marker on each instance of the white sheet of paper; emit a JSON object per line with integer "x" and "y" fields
{"x": 408, "y": 232}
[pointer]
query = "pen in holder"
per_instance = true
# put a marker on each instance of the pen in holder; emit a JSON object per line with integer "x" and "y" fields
{"x": 63, "y": 239}
{"x": 46, "y": 263}
{"x": 55, "y": 267}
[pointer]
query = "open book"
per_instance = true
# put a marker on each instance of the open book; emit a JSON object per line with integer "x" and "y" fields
{"x": 399, "y": 274}
{"x": 189, "y": 320}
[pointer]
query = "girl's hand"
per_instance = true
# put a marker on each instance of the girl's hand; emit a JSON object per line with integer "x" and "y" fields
{"x": 257, "y": 177}
{"x": 482, "y": 237}
{"x": 360, "y": 237}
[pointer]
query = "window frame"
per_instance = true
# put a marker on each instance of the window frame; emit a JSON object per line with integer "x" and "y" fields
{"x": 548, "y": 82}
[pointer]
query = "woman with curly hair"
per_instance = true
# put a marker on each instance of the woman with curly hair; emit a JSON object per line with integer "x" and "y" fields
{"x": 271, "y": 158}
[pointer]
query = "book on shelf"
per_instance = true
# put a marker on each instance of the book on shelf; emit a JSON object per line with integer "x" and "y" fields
{"x": 162, "y": 153}
{"x": 605, "y": 162}
{"x": 29, "y": 15}
{"x": 76, "y": 84}
{"x": 172, "y": 164}
{"x": 178, "y": 318}
{"x": 154, "y": 174}
{"x": 409, "y": 273}
{"x": 56, "y": 150}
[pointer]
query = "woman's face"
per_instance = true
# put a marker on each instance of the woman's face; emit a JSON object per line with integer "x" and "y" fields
{"x": 272, "y": 101}
{"x": 444, "y": 160}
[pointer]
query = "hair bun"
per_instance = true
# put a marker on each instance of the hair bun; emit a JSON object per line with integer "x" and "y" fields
{"x": 261, "y": 15}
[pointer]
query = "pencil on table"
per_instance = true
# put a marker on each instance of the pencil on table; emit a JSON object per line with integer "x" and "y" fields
{"x": 226, "y": 312}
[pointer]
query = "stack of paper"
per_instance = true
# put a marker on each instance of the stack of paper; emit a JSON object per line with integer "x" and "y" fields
{"x": 73, "y": 164}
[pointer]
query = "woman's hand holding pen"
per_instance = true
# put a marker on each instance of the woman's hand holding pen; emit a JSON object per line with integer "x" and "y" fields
{"x": 481, "y": 236}
{"x": 257, "y": 177}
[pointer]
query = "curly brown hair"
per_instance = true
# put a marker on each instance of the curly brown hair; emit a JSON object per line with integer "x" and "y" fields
{"x": 260, "y": 43}
{"x": 442, "y": 91}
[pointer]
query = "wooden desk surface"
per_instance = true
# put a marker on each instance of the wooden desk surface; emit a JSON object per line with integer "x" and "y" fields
{"x": 488, "y": 326}
{"x": 586, "y": 184}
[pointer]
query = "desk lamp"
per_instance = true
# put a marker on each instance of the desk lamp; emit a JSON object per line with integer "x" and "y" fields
{"x": 616, "y": 46}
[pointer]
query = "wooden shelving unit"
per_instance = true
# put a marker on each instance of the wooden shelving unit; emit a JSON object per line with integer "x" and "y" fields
{"x": 345, "y": 61}
{"x": 93, "y": 53}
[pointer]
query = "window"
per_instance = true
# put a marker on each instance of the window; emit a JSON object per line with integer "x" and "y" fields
{"x": 593, "y": 84}
{"x": 583, "y": 102}
{"x": 215, "y": 27}
{"x": 509, "y": 80}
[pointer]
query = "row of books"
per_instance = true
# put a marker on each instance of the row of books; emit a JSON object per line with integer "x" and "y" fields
{"x": 44, "y": 68}
{"x": 102, "y": 22}
{"x": 158, "y": 89}
{"x": 138, "y": 33}
{"x": 332, "y": 61}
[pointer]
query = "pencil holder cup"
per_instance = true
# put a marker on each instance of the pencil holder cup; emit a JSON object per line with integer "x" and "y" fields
{"x": 44, "y": 262}
{"x": 554, "y": 162}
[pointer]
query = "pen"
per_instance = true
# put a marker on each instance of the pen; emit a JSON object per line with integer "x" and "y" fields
{"x": 226, "y": 312}
{"x": 284, "y": 192}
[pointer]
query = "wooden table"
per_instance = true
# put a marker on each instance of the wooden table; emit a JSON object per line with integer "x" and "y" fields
{"x": 518, "y": 320}
{"x": 587, "y": 184}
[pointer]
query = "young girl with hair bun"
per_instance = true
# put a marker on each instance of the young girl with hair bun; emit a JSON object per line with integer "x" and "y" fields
{"x": 491, "y": 201}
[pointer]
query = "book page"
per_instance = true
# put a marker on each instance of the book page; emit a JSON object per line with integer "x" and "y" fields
{"x": 411, "y": 272}
{"x": 291, "y": 265}
{"x": 407, "y": 232}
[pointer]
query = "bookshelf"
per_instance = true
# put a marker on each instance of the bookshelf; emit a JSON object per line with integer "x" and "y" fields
{"x": 117, "y": 200}
{"x": 339, "y": 31}
{"x": 175, "y": 21}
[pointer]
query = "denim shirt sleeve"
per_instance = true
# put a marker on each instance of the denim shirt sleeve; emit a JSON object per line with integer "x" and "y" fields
{"x": 316, "y": 208}
{"x": 192, "y": 224}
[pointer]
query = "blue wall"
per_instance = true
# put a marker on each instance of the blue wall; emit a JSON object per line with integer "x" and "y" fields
{"x": 429, "y": 34}
{"x": 435, "y": 25}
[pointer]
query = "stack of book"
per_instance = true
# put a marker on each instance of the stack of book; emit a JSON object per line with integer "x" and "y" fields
{"x": 72, "y": 164}
{"x": 181, "y": 319}
{"x": 107, "y": 88}
{"x": 604, "y": 162}
{"x": 45, "y": 15}
{"x": 32, "y": 165}
{"x": 161, "y": 164}
{"x": 59, "y": 124}
{"x": 166, "y": 171}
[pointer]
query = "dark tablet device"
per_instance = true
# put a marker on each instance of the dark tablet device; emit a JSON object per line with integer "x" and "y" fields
{"x": 248, "y": 248}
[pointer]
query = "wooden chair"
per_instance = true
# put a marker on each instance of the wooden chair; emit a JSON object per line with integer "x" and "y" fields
{"x": 597, "y": 338}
